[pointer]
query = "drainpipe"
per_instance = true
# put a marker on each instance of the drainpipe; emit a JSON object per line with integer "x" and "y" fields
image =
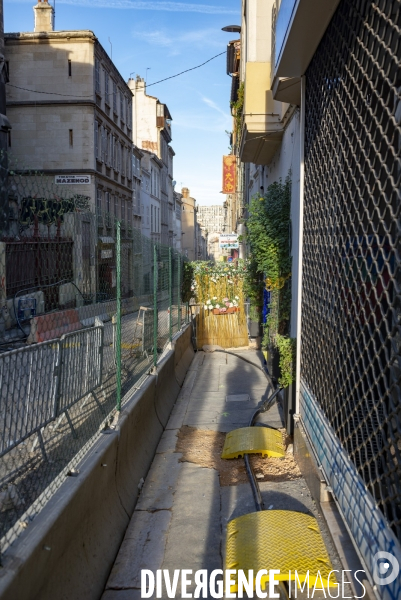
{"x": 242, "y": 247}
{"x": 4, "y": 130}
{"x": 300, "y": 244}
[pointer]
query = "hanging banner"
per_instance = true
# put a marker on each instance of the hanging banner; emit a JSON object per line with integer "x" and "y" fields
{"x": 229, "y": 174}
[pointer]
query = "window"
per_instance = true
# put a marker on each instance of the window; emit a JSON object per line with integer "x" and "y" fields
{"x": 71, "y": 137}
{"x": 97, "y": 75}
{"x": 114, "y": 153}
{"x": 118, "y": 156}
{"x": 96, "y": 140}
{"x": 106, "y": 87}
{"x": 116, "y": 207}
{"x": 107, "y": 147}
{"x": 129, "y": 212}
{"x": 108, "y": 202}
{"x": 123, "y": 161}
{"x": 102, "y": 143}
{"x": 115, "y": 97}
{"x": 158, "y": 220}
{"x": 99, "y": 194}
{"x": 151, "y": 218}
{"x": 122, "y": 106}
{"x": 122, "y": 209}
{"x": 69, "y": 68}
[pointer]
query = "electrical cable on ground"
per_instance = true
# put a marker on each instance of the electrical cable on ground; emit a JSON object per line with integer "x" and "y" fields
{"x": 264, "y": 407}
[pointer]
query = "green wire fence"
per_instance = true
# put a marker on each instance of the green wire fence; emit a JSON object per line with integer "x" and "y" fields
{"x": 89, "y": 307}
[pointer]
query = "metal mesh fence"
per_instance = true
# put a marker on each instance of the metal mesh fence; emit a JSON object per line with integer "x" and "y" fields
{"x": 351, "y": 322}
{"x": 88, "y": 306}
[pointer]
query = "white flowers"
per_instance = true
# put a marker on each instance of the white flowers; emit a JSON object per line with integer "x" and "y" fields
{"x": 207, "y": 301}
{"x": 237, "y": 297}
{"x": 217, "y": 305}
{"x": 206, "y": 307}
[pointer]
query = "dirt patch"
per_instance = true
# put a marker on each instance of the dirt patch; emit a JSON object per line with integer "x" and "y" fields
{"x": 204, "y": 448}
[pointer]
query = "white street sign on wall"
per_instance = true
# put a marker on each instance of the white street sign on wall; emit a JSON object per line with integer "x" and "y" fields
{"x": 73, "y": 179}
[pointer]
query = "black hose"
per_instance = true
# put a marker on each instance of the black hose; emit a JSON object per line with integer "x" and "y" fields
{"x": 263, "y": 369}
{"x": 264, "y": 407}
{"x": 257, "y": 496}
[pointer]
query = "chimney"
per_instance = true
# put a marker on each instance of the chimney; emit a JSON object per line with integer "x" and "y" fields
{"x": 44, "y": 16}
{"x": 185, "y": 192}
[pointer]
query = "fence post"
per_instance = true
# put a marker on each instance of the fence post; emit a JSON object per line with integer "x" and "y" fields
{"x": 155, "y": 316}
{"x": 170, "y": 290}
{"x": 118, "y": 323}
{"x": 179, "y": 292}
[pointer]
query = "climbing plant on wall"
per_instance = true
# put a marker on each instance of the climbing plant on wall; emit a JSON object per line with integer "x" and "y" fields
{"x": 269, "y": 238}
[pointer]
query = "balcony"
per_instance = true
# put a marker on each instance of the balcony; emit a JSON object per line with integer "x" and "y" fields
{"x": 299, "y": 27}
{"x": 262, "y": 119}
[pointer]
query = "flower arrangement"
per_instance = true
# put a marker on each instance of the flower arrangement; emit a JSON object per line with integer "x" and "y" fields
{"x": 224, "y": 305}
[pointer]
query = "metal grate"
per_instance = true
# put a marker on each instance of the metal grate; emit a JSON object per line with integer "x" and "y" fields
{"x": 351, "y": 321}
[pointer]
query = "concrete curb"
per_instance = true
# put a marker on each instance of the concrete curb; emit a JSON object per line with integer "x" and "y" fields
{"x": 69, "y": 548}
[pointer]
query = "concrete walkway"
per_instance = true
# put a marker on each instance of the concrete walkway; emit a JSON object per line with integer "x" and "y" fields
{"x": 181, "y": 516}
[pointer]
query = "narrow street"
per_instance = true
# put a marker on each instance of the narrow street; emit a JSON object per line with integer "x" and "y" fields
{"x": 191, "y": 494}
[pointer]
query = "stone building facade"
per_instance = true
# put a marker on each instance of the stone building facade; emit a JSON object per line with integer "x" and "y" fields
{"x": 72, "y": 121}
{"x": 152, "y": 132}
{"x": 72, "y": 113}
{"x": 213, "y": 218}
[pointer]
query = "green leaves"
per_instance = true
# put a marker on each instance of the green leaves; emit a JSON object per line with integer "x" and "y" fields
{"x": 269, "y": 237}
{"x": 287, "y": 350}
{"x": 268, "y": 231}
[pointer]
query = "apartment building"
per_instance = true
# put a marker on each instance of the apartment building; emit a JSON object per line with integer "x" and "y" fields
{"x": 177, "y": 221}
{"x": 321, "y": 104}
{"x": 137, "y": 156}
{"x": 212, "y": 218}
{"x": 72, "y": 121}
{"x": 81, "y": 133}
{"x": 189, "y": 223}
{"x": 152, "y": 168}
{"x": 152, "y": 132}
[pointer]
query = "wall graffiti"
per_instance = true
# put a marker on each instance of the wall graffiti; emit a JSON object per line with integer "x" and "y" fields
{"x": 50, "y": 211}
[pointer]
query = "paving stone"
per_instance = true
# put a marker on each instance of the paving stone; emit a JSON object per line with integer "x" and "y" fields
{"x": 194, "y": 534}
{"x": 143, "y": 548}
{"x": 159, "y": 488}
{"x": 168, "y": 441}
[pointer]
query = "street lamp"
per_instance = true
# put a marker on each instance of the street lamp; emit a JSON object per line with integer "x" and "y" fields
{"x": 232, "y": 28}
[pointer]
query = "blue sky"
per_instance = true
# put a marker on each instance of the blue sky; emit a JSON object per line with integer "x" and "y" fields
{"x": 165, "y": 38}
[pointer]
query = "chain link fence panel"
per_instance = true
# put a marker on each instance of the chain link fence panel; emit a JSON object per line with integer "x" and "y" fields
{"x": 88, "y": 306}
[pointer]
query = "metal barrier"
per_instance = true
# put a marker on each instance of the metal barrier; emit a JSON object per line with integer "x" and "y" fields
{"x": 29, "y": 385}
{"x": 81, "y": 366}
{"x": 49, "y": 391}
{"x": 41, "y": 382}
